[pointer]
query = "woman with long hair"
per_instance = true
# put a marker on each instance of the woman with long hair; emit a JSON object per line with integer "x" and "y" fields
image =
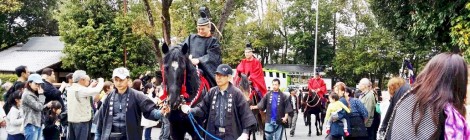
{"x": 435, "y": 105}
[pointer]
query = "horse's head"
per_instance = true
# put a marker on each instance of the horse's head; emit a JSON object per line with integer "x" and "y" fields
{"x": 244, "y": 83}
{"x": 175, "y": 64}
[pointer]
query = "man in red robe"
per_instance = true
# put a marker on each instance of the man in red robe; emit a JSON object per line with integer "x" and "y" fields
{"x": 250, "y": 65}
{"x": 317, "y": 85}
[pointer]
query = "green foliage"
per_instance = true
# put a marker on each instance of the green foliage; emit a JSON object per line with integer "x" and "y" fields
{"x": 425, "y": 23}
{"x": 26, "y": 18}
{"x": 6, "y": 78}
{"x": 95, "y": 35}
{"x": 460, "y": 30}
{"x": 374, "y": 56}
{"x": 301, "y": 17}
{"x": 8, "y": 6}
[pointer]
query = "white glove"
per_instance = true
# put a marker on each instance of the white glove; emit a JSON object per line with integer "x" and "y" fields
{"x": 185, "y": 109}
{"x": 244, "y": 136}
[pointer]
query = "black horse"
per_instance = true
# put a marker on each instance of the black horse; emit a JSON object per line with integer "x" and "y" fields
{"x": 313, "y": 105}
{"x": 253, "y": 97}
{"x": 184, "y": 85}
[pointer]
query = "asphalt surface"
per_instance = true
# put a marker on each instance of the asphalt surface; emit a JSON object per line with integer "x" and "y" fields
{"x": 301, "y": 132}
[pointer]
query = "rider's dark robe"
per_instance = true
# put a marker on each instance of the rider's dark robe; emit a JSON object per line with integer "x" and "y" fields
{"x": 255, "y": 69}
{"x": 238, "y": 116}
{"x": 207, "y": 50}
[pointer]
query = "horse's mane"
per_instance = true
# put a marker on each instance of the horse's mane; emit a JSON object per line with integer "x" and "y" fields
{"x": 192, "y": 79}
{"x": 244, "y": 83}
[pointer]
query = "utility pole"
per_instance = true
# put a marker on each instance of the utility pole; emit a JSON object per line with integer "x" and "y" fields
{"x": 316, "y": 37}
{"x": 125, "y": 47}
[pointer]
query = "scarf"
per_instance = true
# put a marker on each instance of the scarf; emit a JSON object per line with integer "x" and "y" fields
{"x": 455, "y": 125}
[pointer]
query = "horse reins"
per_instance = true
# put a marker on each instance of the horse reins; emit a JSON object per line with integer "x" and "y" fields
{"x": 184, "y": 93}
{"x": 308, "y": 96}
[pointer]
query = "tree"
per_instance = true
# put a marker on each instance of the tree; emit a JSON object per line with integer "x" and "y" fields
{"x": 460, "y": 30}
{"x": 166, "y": 19}
{"x": 426, "y": 23}
{"x": 364, "y": 48}
{"x": 303, "y": 39}
{"x": 152, "y": 36}
{"x": 21, "y": 19}
{"x": 374, "y": 56}
{"x": 7, "y": 6}
{"x": 95, "y": 33}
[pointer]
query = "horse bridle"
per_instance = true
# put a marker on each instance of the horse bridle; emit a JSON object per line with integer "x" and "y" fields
{"x": 318, "y": 101}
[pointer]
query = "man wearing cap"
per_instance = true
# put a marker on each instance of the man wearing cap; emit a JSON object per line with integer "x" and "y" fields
{"x": 227, "y": 110}
{"x": 252, "y": 67}
{"x": 78, "y": 105}
{"x": 121, "y": 113}
{"x": 32, "y": 107}
{"x": 277, "y": 107}
{"x": 204, "y": 49}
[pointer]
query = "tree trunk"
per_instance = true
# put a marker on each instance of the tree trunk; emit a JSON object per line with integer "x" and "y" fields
{"x": 155, "y": 41}
{"x": 229, "y": 6}
{"x": 166, "y": 20}
{"x": 284, "y": 34}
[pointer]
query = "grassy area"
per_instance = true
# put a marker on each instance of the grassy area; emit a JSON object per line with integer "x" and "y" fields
{"x": 6, "y": 78}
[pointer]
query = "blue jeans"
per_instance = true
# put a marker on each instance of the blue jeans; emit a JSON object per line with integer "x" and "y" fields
{"x": 148, "y": 132}
{"x": 32, "y": 132}
{"x": 273, "y": 131}
{"x": 15, "y": 137}
{"x": 165, "y": 133}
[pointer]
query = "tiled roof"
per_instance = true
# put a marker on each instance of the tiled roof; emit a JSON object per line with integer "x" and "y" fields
{"x": 51, "y": 43}
{"x": 36, "y": 54}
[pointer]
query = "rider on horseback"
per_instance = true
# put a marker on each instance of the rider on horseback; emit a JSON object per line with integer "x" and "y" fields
{"x": 204, "y": 49}
{"x": 252, "y": 67}
{"x": 317, "y": 85}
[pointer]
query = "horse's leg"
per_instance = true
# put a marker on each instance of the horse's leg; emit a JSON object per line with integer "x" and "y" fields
{"x": 309, "y": 124}
{"x": 318, "y": 125}
{"x": 175, "y": 131}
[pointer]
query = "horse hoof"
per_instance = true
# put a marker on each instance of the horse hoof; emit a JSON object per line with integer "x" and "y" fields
{"x": 309, "y": 134}
{"x": 318, "y": 134}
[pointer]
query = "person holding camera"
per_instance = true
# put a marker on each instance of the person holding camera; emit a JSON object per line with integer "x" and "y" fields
{"x": 78, "y": 104}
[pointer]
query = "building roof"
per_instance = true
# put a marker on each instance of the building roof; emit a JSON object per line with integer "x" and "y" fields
{"x": 37, "y": 54}
{"x": 51, "y": 43}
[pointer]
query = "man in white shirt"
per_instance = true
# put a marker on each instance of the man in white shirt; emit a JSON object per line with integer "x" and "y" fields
{"x": 79, "y": 105}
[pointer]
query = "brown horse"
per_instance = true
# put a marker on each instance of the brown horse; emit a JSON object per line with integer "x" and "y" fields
{"x": 253, "y": 98}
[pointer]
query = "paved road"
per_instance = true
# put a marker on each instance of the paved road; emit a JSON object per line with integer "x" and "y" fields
{"x": 300, "y": 132}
